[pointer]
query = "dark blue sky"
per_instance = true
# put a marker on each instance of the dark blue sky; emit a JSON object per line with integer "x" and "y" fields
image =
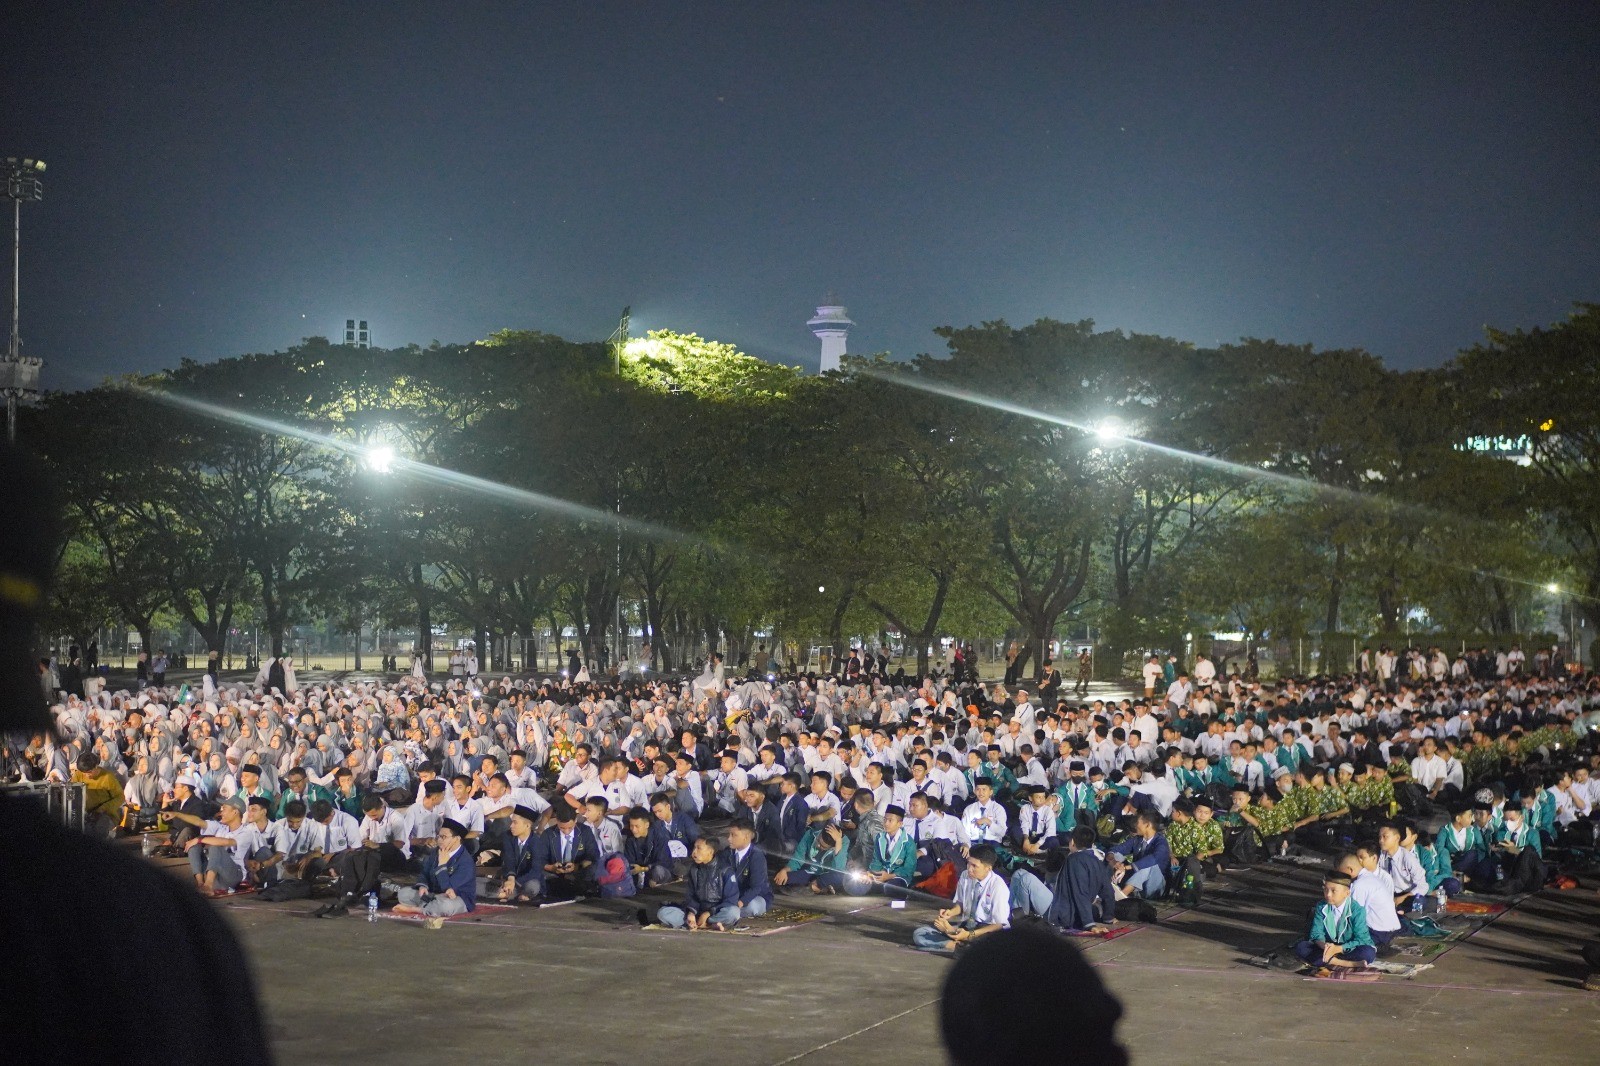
{"x": 1376, "y": 175}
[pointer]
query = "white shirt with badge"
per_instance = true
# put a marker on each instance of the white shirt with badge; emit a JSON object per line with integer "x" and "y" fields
{"x": 342, "y": 833}
{"x": 469, "y": 814}
{"x": 244, "y": 839}
{"x": 985, "y": 821}
{"x": 294, "y": 843}
{"x": 986, "y": 902}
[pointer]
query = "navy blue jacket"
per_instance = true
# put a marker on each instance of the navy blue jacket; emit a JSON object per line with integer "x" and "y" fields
{"x": 459, "y": 872}
{"x": 683, "y": 829}
{"x": 769, "y": 827}
{"x": 1139, "y": 853}
{"x": 651, "y": 851}
{"x": 1082, "y": 879}
{"x": 793, "y": 822}
{"x": 710, "y": 887}
{"x": 521, "y": 861}
{"x": 584, "y": 847}
{"x": 751, "y": 872}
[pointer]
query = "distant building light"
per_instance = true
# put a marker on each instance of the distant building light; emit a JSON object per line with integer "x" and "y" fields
{"x": 1519, "y": 449}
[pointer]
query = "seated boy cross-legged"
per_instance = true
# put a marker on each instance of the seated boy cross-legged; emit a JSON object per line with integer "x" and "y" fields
{"x": 711, "y": 893}
{"x": 1339, "y": 938}
{"x": 982, "y": 906}
{"x": 448, "y": 882}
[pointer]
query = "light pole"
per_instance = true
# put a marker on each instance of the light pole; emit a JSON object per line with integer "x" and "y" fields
{"x": 19, "y": 377}
{"x": 619, "y": 341}
{"x": 1574, "y": 641}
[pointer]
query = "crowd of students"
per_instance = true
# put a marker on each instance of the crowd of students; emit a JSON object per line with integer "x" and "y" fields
{"x": 729, "y": 793}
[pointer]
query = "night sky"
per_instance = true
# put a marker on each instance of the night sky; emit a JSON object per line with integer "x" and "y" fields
{"x": 236, "y": 178}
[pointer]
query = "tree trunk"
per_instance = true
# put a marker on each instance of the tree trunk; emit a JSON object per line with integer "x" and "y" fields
{"x": 1024, "y": 654}
{"x": 272, "y": 610}
{"x": 660, "y": 650}
{"x": 1335, "y": 590}
{"x": 424, "y": 617}
{"x": 836, "y": 625}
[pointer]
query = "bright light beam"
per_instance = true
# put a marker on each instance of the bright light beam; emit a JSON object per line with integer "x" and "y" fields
{"x": 1111, "y": 430}
{"x": 380, "y": 459}
{"x": 400, "y": 465}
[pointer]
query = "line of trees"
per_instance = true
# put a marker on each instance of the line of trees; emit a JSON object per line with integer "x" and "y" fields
{"x": 1262, "y": 487}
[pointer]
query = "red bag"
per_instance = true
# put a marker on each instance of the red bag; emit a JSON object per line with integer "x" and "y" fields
{"x": 942, "y": 882}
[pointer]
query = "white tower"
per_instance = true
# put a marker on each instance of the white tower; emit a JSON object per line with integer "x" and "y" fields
{"x": 830, "y": 327}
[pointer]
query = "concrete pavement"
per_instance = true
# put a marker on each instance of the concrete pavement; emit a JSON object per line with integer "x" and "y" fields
{"x": 584, "y": 984}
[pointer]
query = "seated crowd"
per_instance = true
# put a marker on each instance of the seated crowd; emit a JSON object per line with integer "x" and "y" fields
{"x": 728, "y": 794}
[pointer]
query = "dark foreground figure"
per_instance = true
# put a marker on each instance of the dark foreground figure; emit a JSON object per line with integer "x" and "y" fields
{"x": 1028, "y": 972}
{"x": 107, "y": 960}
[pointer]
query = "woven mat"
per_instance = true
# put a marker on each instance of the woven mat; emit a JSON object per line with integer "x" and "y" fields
{"x": 1110, "y": 933}
{"x": 1469, "y": 906}
{"x": 777, "y": 920}
{"x": 484, "y": 910}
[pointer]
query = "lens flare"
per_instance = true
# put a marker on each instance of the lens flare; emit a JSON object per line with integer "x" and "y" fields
{"x": 384, "y": 459}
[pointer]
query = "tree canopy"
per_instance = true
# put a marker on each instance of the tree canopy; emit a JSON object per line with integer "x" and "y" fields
{"x": 710, "y": 499}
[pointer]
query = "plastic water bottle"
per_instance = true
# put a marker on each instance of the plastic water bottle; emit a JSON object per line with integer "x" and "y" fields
{"x": 372, "y": 906}
{"x": 1442, "y": 897}
{"x": 1416, "y": 903}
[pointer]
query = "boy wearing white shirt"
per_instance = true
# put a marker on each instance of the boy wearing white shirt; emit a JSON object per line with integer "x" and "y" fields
{"x": 1402, "y": 866}
{"x": 982, "y": 905}
{"x": 296, "y": 842}
{"x": 1371, "y": 887}
{"x": 461, "y": 807}
{"x": 1035, "y": 830}
{"x": 215, "y": 854}
{"x": 952, "y": 785}
{"x": 420, "y": 822}
{"x": 341, "y": 833}
{"x": 984, "y": 819}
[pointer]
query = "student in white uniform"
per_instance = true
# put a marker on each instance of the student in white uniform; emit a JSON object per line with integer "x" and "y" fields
{"x": 296, "y": 842}
{"x": 982, "y": 905}
{"x": 984, "y": 819}
{"x": 340, "y": 833}
{"x": 1371, "y": 887}
{"x": 459, "y": 806}
{"x": 216, "y": 855}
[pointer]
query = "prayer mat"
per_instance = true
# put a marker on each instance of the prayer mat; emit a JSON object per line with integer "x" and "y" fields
{"x": 776, "y": 920}
{"x": 1409, "y": 960}
{"x": 1400, "y": 969}
{"x": 1468, "y": 906}
{"x": 484, "y": 910}
{"x": 1111, "y": 933}
{"x": 1361, "y": 976}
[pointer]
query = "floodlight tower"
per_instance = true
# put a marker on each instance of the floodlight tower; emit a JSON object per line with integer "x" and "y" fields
{"x": 831, "y": 327}
{"x": 19, "y": 377}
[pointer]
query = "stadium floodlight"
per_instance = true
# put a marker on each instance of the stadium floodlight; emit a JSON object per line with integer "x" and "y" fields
{"x": 380, "y": 459}
{"x": 1110, "y": 430}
